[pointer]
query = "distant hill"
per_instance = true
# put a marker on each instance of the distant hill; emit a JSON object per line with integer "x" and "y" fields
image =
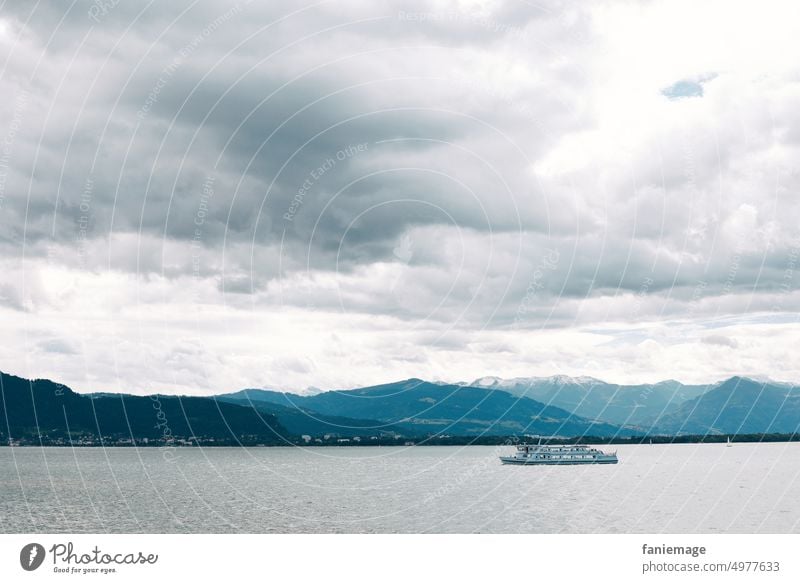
{"x": 739, "y": 405}
{"x": 638, "y": 405}
{"x": 42, "y": 407}
{"x": 557, "y": 406}
{"x": 302, "y": 421}
{"x": 418, "y": 406}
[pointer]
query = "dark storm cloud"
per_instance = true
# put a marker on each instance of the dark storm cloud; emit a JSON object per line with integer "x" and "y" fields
{"x": 271, "y": 141}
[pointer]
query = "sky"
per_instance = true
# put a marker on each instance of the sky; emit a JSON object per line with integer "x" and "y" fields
{"x": 197, "y": 197}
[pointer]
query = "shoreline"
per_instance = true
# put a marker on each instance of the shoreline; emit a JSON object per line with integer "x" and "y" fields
{"x": 434, "y": 441}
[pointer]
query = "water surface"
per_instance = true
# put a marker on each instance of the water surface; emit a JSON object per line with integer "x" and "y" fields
{"x": 660, "y": 488}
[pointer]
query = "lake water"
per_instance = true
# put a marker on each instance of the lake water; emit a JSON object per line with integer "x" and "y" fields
{"x": 660, "y": 488}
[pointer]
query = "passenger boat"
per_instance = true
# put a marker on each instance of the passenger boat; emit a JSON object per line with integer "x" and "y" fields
{"x": 558, "y": 455}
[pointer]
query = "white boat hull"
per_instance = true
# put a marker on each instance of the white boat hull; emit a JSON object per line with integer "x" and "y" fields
{"x": 511, "y": 460}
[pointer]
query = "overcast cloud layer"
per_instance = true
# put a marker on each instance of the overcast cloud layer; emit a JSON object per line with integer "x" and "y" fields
{"x": 198, "y": 197}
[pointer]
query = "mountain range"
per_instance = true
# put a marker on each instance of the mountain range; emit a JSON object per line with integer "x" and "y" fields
{"x": 739, "y": 405}
{"x": 413, "y": 408}
{"x": 637, "y": 405}
{"x": 42, "y": 409}
{"x": 558, "y": 405}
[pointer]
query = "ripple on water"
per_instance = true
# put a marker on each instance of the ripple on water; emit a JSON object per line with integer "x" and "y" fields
{"x": 660, "y": 488}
